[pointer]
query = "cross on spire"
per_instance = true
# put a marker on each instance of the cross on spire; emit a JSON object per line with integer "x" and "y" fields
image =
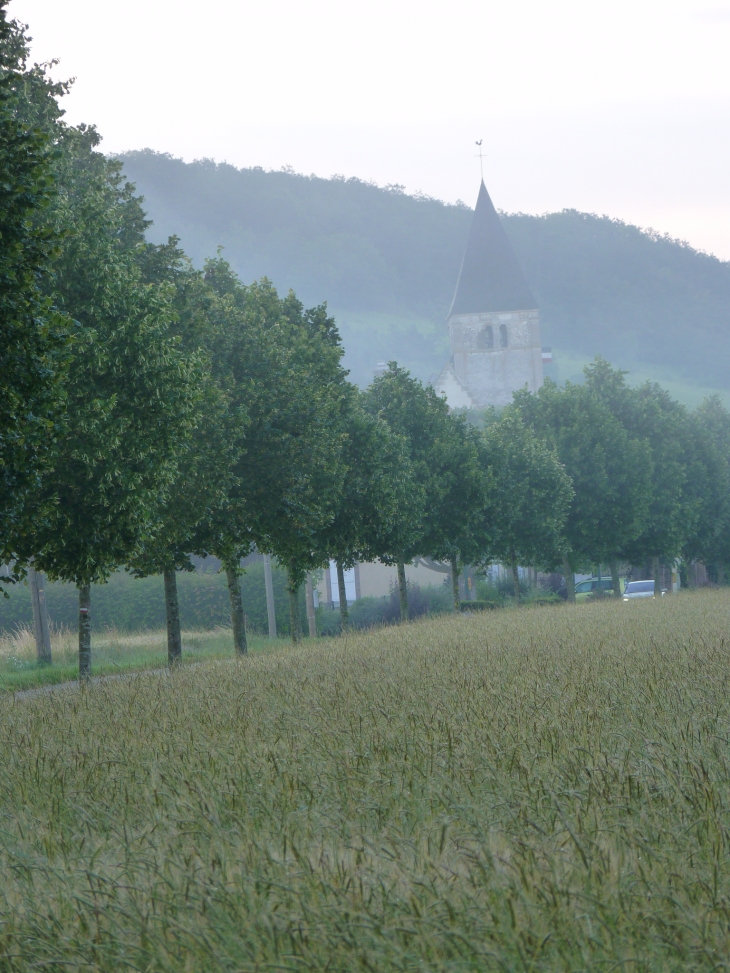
{"x": 481, "y": 157}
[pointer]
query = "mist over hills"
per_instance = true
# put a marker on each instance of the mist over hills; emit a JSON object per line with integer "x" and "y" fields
{"x": 387, "y": 264}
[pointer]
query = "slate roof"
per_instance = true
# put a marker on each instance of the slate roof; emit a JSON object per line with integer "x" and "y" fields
{"x": 491, "y": 279}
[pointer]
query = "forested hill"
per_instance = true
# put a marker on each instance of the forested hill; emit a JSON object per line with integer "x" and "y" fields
{"x": 387, "y": 264}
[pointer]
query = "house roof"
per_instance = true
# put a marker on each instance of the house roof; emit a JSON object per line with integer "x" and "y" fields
{"x": 491, "y": 279}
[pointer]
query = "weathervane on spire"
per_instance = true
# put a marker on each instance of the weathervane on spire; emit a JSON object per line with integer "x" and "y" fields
{"x": 481, "y": 164}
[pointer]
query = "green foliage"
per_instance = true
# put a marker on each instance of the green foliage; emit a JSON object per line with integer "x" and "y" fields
{"x": 457, "y": 527}
{"x": 376, "y": 486}
{"x": 130, "y": 390}
{"x": 201, "y": 415}
{"x": 650, "y": 414}
{"x": 280, "y": 365}
{"x": 610, "y": 469}
{"x": 708, "y": 484}
{"x": 189, "y": 516}
{"x": 380, "y": 256}
{"x": 305, "y": 469}
{"x": 530, "y": 496}
{"x": 501, "y": 594}
{"x": 421, "y": 418}
{"x": 33, "y": 334}
{"x": 345, "y": 240}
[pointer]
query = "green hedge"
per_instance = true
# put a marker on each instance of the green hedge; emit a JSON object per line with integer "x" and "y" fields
{"x": 479, "y": 606}
{"x": 134, "y": 604}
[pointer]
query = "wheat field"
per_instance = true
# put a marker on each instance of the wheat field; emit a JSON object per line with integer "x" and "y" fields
{"x": 544, "y": 789}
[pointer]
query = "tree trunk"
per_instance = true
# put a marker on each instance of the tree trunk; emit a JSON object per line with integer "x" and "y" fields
{"x": 515, "y": 576}
{"x": 402, "y": 591}
{"x": 311, "y": 617}
{"x": 692, "y": 574}
{"x": 569, "y": 581}
{"x": 84, "y": 633}
{"x": 40, "y": 617}
{"x": 294, "y": 619}
{"x": 657, "y": 578}
{"x": 270, "y": 604}
{"x": 344, "y": 614}
{"x": 455, "y": 583}
{"x": 172, "y": 614}
{"x": 720, "y": 573}
{"x": 599, "y": 589}
{"x": 238, "y": 622}
{"x": 615, "y": 580}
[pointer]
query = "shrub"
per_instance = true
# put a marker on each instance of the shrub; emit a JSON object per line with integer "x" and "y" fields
{"x": 539, "y": 596}
{"x": 495, "y": 594}
{"x": 502, "y": 593}
{"x": 370, "y": 612}
{"x": 478, "y": 606}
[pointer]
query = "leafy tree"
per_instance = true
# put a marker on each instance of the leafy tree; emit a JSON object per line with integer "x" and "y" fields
{"x": 458, "y": 528}
{"x": 422, "y": 419}
{"x": 610, "y": 472}
{"x": 130, "y": 389}
{"x": 650, "y": 414}
{"x": 530, "y": 496}
{"x": 281, "y": 366}
{"x": 185, "y": 520}
{"x": 443, "y": 515}
{"x": 33, "y": 334}
{"x": 708, "y": 483}
{"x": 309, "y": 448}
{"x": 376, "y": 485}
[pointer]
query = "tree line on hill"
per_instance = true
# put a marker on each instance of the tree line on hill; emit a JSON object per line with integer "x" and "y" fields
{"x": 152, "y": 411}
{"x": 382, "y": 257}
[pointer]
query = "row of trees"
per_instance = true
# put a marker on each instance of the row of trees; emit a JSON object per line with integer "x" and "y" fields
{"x": 151, "y": 411}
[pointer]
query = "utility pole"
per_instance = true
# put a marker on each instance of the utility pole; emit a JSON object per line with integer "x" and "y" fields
{"x": 270, "y": 596}
{"x": 41, "y": 629}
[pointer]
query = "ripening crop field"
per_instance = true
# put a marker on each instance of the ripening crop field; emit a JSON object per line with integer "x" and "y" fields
{"x": 543, "y": 789}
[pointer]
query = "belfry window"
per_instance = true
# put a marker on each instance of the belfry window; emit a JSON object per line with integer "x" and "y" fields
{"x": 503, "y": 335}
{"x": 485, "y": 338}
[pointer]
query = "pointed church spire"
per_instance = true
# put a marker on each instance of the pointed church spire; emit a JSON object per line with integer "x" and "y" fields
{"x": 491, "y": 278}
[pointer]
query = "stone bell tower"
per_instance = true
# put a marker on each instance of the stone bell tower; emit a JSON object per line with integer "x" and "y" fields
{"x": 494, "y": 322}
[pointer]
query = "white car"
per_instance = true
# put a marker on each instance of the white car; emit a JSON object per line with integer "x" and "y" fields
{"x": 640, "y": 589}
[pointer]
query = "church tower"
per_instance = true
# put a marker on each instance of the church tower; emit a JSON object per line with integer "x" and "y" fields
{"x": 494, "y": 322}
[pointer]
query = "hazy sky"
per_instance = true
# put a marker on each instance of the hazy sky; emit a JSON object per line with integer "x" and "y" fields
{"x": 619, "y": 107}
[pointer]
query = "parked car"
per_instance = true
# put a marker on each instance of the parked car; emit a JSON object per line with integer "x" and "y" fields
{"x": 640, "y": 589}
{"x": 584, "y": 588}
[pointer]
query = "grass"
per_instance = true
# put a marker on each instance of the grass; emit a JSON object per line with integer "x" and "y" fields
{"x": 537, "y": 790}
{"x": 112, "y": 652}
